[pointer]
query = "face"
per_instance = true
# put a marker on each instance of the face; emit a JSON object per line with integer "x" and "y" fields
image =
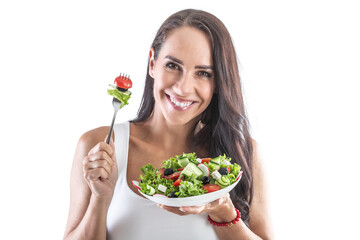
{"x": 183, "y": 76}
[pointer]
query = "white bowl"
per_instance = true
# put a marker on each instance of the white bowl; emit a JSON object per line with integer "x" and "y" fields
{"x": 189, "y": 201}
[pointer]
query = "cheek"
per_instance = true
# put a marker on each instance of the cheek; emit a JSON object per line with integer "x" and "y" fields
{"x": 207, "y": 90}
{"x": 164, "y": 79}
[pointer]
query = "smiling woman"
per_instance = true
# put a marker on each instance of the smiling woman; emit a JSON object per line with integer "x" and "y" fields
{"x": 183, "y": 79}
{"x": 192, "y": 102}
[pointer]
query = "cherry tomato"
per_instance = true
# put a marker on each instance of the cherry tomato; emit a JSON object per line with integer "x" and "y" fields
{"x": 211, "y": 187}
{"x": 173, "y": 176}
{"x": 123, "y": 82}
{"x": 177, "y": 182}
{"x": 205, "y": 160}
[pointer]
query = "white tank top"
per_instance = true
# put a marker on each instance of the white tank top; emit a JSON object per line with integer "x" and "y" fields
{"x": 133, "y": 217}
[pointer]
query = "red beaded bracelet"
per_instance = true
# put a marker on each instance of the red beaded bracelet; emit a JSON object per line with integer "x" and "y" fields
{"x": 223, "y": 224}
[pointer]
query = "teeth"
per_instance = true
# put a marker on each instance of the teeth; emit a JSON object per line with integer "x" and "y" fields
{"x": 179, "y": 104}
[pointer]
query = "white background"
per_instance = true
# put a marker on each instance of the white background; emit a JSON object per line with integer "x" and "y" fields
{"x": 300, "y": 69}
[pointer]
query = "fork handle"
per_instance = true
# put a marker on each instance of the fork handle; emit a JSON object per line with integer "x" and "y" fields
{"x": 111, "y": 128}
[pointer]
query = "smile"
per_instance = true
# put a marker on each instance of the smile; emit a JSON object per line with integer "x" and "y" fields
{"x": 180, "y": 105}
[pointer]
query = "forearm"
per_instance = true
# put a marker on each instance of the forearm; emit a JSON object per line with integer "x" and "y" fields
{"x": 237, "y": 231}
{"x": 93, "y": 224}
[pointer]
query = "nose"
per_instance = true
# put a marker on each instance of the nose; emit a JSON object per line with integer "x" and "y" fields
{"x": 184, "y": 85}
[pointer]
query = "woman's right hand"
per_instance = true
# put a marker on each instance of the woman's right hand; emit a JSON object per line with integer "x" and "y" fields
{"x": 100, "y": 170}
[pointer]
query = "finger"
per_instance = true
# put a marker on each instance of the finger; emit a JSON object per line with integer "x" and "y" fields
{"x": 175, "y": 210}
{"x": 209, "y": 207}
{"x": 112, "y": 145}
{"x": 96, "y": 174}
{"x": 102, "y": 155}
{"x": 102, "y": 146}
{"x": 214, "y": 205}
{"x": 193, "y": 209}
{"x": 98, "y": 164}
{"x": 111, "y": 142}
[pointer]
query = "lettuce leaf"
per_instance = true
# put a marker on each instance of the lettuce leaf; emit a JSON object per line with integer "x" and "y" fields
{"x": 174, "y": 163}
{"x": 153, "y": 179}
{"x": 188, "y": 189}
{"x": 123, "y": 97}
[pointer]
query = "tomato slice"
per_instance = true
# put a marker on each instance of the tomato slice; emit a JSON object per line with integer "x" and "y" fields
{"x": 173, "y": 176}
{"x": 180, "y": 169}
{"x": 177, "y": 182}
{"x": 205, "y": 160}
{"x": 228, "y": 168}
{"x": 211, "y": 187}
{"x": 123, "y": 82}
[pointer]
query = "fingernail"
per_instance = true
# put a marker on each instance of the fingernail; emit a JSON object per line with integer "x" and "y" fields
{"x": 181, "y": 209}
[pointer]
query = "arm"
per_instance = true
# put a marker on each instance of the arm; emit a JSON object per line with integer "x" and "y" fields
{"x": 222, "y": 210}
{"x": 93, "y": 177}
{"x": 260, "y": 223}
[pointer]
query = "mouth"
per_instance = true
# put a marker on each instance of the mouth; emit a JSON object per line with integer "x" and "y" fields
{"x": 180, "y": 104}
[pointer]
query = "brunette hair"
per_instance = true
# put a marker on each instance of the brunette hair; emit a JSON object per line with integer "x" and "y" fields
{"x": 226, "y": 126}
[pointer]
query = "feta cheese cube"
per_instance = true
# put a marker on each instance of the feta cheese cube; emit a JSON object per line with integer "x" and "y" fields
{"x": 226, "y": 162}
{"x": 162, "y": 188}
{"x": 198, "y": 160}
{"x": 216, "y": 175}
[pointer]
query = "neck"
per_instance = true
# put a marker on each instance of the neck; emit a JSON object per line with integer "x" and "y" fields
{"x": 169, "y": 136}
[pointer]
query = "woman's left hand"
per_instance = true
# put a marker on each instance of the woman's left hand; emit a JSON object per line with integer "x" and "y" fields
{"x": 220, "y": 208}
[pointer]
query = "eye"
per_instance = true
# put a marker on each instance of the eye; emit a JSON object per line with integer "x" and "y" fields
{"x": 204, "y": 74}
{"x": 172, "y": 65}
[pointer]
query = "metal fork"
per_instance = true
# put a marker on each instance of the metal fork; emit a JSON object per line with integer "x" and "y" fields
{"x": 116, "y": 104}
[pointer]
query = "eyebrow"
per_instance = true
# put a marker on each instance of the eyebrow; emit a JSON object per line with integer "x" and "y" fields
{"x": 181, "y": 63}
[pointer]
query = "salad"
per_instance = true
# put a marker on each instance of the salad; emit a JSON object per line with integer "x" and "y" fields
{"x": 186, "y": 175}
{"x": 120, "y": 91}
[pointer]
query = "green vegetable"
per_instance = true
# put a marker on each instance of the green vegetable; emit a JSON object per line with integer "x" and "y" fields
{"x": 184, "y": 162}
{"x": 179, "y": 161}
{"x": 224, "y": 181}
{"x": 191, "y": 185}
{"x": 123, "y": 97}
{"x": 213, "y": 166}
{"x": 152, "y": 179}
{"x": 192, "y": 169}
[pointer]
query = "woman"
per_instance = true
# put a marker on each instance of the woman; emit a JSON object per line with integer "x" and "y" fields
{"x": 192, "y": 103}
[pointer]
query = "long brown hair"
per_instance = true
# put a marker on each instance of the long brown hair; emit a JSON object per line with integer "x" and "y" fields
{"x": 226, "y": 126}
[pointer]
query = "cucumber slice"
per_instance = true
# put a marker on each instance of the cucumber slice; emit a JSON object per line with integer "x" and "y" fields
{"x": 224, "y": 181}
{"x": 190, "y": 169}
{"x": 214, "y": 166}
{"x": 184, "y": 162}
{"x": 215, "y": 160}
{"x": 150, "y": 190}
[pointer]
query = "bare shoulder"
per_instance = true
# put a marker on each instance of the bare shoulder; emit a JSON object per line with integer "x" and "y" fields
{"x": 88, "y": 140}
{"x": 92, "y": 137}
{"x": 260, "y": 221}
